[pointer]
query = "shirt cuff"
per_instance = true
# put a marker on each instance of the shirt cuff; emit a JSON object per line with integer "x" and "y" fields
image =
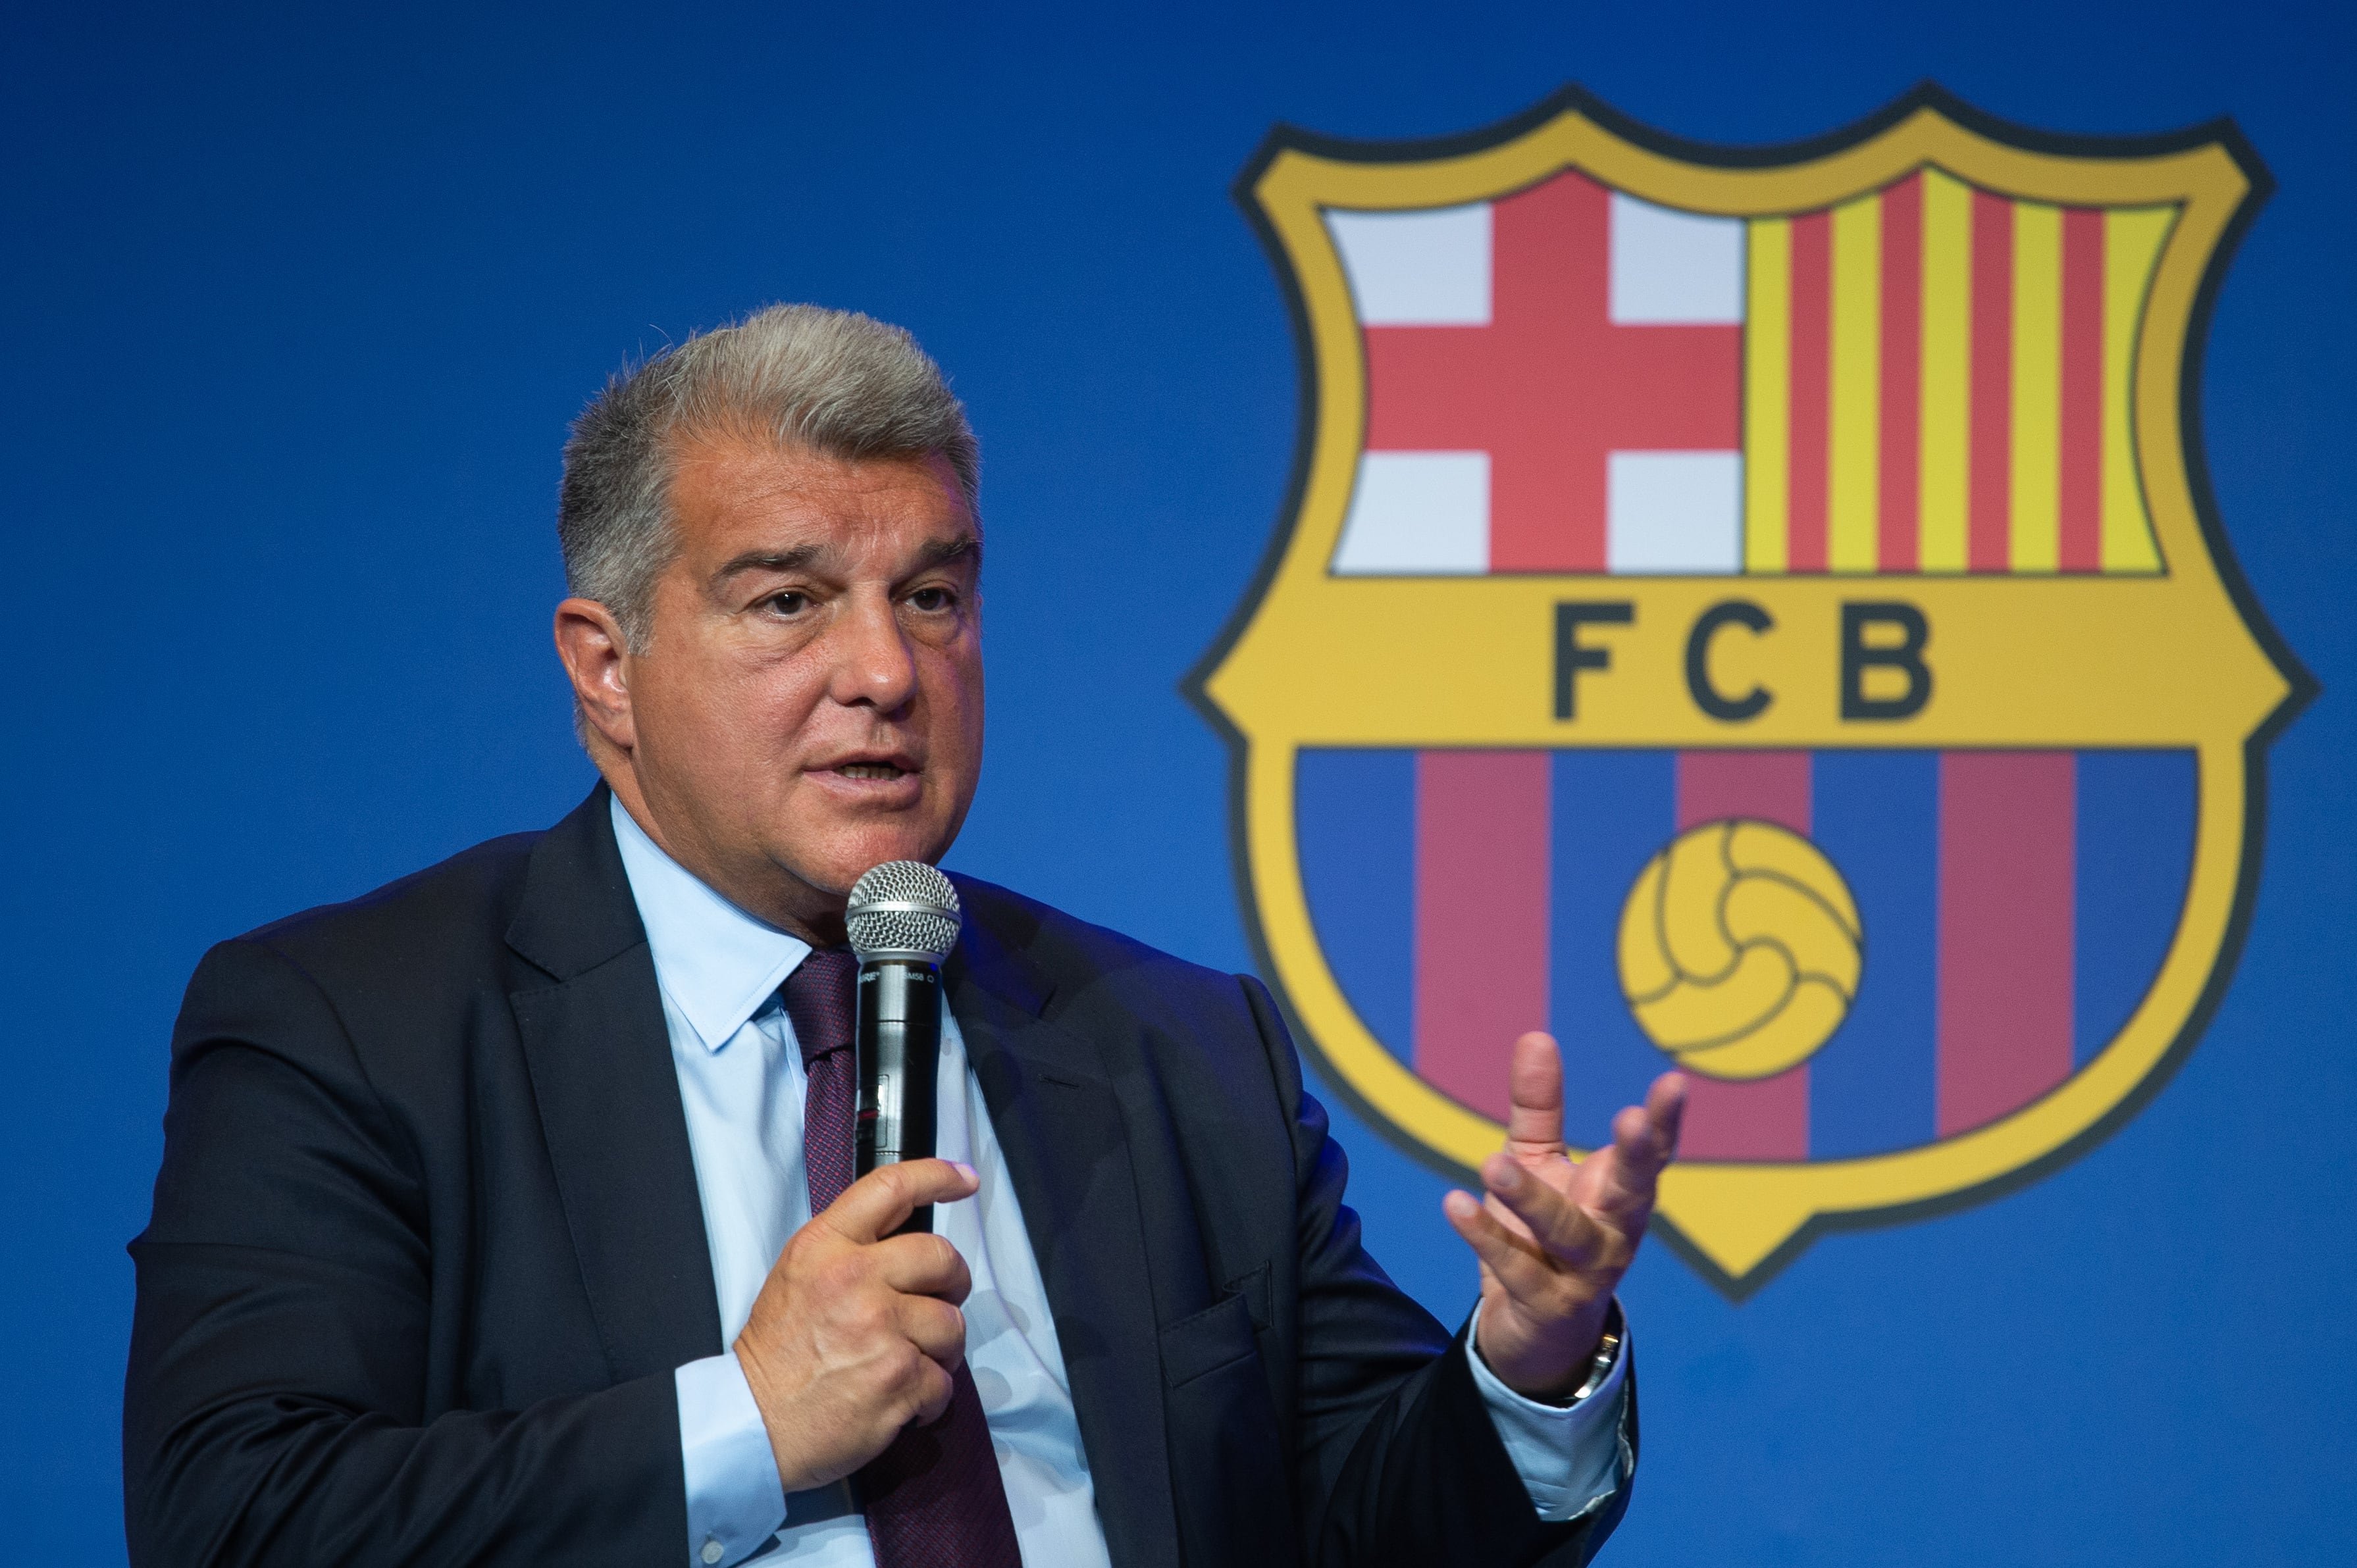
{"x": 735, "y": 1502}
{"x": 1571, "y": 1458}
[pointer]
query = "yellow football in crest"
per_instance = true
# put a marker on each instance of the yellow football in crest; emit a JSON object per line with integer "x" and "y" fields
{"x": 1740, "y": 948}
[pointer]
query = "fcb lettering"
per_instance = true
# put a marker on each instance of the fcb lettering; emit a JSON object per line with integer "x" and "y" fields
{"x": 1861, "y": 655}
{"x": 1754, "y": 611}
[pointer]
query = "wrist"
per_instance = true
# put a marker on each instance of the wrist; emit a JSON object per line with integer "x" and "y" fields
{"x": 1544, "y": 1374}
{"x": 789, "y": 1465}
{"x": 1607, "y": 1354}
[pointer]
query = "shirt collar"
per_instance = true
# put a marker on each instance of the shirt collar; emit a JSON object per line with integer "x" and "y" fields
{"x": 718, "y": 964}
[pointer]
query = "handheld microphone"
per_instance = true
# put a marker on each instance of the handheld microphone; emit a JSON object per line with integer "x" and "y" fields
{"x": 903, "y": 921}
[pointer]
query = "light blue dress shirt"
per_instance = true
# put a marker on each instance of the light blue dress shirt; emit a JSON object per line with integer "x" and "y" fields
{"x": 740, "y": 1080}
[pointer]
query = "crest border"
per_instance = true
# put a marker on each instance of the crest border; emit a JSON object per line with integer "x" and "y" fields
{"x": 1572, "y": 99}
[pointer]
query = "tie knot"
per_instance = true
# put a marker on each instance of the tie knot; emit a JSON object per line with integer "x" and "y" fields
{"x": 818, "y": 997}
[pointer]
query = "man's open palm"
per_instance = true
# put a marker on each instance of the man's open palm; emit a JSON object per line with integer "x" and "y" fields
{"x": 1555, "y": 1236}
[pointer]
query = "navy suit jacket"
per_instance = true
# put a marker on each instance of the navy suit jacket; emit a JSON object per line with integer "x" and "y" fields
{"x": 427, "y": 1247}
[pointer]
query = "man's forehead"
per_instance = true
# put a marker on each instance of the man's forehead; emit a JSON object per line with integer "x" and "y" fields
{"x": 735, "y": 496}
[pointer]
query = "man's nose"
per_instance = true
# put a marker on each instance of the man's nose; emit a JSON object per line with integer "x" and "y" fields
{"x": 873, "y": 665}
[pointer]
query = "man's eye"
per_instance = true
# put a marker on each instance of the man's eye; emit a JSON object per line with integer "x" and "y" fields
{"x": 931, "y": 599}
{"x": 789, "y": 603}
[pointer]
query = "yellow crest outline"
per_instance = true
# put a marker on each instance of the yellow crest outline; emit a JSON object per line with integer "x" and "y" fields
{"x": 2180, "y": 658}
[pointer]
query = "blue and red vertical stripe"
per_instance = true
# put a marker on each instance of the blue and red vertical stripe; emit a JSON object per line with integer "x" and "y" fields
{"x": 2016, "y": 906}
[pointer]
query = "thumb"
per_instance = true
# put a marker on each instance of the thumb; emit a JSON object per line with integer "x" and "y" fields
{"x": 1534, "y": 1092}
{"x": 877, "y": 1204}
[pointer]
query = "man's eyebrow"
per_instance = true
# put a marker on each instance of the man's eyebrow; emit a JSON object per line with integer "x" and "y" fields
{"x": 793, "y": 560}
{"x": 949, "y": 552}
{"x": 932, "y": 553}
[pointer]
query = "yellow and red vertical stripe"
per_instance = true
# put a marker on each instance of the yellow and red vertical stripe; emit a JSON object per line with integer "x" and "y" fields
{"x": 1937, "y": 379}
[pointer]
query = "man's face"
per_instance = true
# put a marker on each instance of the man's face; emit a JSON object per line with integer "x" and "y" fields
{"x": 809, "y": 700}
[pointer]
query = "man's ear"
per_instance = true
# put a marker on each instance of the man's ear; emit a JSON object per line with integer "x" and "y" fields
{"x": 589, "y": 641}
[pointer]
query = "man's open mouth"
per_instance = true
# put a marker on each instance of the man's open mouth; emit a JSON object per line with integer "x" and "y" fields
{"x": 871, "y": 770}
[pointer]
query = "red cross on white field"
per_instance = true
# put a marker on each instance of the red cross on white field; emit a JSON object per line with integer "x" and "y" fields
{"x": 1550, "y": 386}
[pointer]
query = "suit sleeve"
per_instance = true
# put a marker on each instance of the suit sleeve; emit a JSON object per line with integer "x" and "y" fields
{"x": 273, "y": 1407}
{"x": 1399, "y": 1460}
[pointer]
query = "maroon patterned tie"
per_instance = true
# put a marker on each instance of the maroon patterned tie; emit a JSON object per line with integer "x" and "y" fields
{"x": 934, "y": 1497}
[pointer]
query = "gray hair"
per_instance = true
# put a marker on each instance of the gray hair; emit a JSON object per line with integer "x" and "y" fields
{"x": 833, "y": 381}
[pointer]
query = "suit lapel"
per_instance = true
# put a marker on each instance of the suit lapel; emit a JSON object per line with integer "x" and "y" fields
{"x": 1061, "y": 1130}
{"x": 599, "y": 1055}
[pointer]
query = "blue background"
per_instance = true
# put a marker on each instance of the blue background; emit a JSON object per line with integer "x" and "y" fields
{"x": 299, "y": 304}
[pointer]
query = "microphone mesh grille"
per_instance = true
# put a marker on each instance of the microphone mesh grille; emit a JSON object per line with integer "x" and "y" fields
{"x": 903, "y": 906}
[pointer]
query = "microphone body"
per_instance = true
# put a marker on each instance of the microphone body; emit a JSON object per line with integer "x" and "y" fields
{"x": 902, "y": 920}
{"x": 899, "y": 1047}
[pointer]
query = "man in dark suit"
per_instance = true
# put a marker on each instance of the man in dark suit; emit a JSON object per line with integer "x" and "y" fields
{"x": 506, "y": 1213}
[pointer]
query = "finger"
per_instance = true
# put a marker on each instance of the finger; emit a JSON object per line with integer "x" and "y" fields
{"x": 1644, "y": 1141}
{"x": 1515, "y": 1261}
{"x": 934, "y": 1389}
{"x": 1558, "y": 1226}
{"x": 879, "y": 1202}
{"x": 923, "y": 1266}
{"x": 1535, "y": 1091}
{"x": 1665, "y": 1102}
{"x": 935, "y": 1327}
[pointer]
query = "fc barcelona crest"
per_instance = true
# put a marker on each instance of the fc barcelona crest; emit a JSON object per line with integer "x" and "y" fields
{"x": 1759, "y": 611}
